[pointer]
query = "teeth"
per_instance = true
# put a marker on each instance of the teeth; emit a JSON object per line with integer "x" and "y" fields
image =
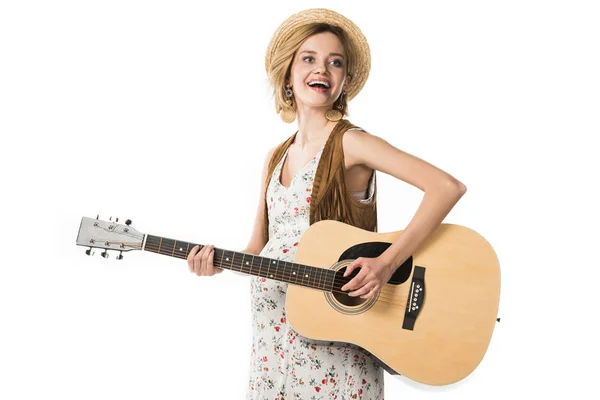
{"x": 321, "y": 82}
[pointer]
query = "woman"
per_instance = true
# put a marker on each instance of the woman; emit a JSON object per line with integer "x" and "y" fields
{"x": 317, "y": 61}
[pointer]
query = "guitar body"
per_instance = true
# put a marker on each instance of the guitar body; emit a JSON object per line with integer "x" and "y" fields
{"x": 454, "y": 279}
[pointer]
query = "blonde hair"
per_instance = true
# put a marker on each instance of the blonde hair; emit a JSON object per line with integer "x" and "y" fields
{"x": 281, "y": 65}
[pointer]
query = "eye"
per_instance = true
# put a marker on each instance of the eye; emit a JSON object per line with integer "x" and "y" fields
{"x": 338, "y": 63}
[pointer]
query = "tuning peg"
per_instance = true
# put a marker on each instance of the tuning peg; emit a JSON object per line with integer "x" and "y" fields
{"x": 128, "y": 222}
{"x": 104, "y": 254}
{"x": 116, "y": 219}
{"x": 89, "y": 252}
{"x": 97, "y": 216}
{"x": 120, "y": 256}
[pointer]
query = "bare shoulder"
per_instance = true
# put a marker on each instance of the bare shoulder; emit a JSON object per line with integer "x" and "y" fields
{"x": 353, "y": 142}
{"x": 270, "y": 153}
{"x": 363, "y": 148}
{"x": 267, "y": 160}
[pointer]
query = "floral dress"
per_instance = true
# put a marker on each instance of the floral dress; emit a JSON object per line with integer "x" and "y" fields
{"x": 285, "y": 365}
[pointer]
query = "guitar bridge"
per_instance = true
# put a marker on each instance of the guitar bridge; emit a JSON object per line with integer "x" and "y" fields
{"x": 416, "y": 296}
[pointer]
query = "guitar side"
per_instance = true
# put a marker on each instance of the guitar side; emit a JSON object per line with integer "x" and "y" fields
{"x": 452, "y": 328}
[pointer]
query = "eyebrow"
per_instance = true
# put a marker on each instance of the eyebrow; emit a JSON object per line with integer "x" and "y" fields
{"x": 314, "y": 52}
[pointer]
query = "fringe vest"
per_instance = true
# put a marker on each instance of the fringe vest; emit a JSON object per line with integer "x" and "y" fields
{"x": 330, "y": 198}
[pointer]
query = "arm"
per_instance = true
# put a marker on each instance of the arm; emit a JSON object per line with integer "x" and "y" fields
{"x": 442, "y": 192}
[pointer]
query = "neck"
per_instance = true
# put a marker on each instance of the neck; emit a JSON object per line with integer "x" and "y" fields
{"x": 312, "y": 125}
{"x": 293, "y": 273}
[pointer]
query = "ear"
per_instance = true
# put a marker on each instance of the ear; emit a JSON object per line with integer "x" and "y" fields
{"x": 348, "y": 80}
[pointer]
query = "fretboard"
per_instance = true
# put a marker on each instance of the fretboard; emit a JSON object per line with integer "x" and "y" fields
{"x": 289, "y": 272}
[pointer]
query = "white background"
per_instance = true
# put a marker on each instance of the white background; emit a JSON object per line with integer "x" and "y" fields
{"x": 159, "y": 111}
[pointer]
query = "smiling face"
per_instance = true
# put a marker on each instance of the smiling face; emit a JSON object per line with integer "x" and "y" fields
{"x": 321, "y": 58}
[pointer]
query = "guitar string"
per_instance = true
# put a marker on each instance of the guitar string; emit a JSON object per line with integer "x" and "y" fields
{"x": 382, "y": 296}
{"x": 286, "y": 269}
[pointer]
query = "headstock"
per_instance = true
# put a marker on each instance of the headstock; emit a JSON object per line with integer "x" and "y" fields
{"x": 108, "y": 235}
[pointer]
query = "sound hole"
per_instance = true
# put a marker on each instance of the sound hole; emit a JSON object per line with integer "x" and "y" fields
{"x": 342, "y": 297}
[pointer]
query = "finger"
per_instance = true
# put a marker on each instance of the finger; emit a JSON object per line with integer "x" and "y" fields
{"x": 370, "y": 293}
{"x": 352, "y": 266}
{"x": 190, "y": 257}
{"x": 198, "y": 261}
{"x": 210, "y": 261}
{"x": 355, "y": 282}
{"x": 205, "y": 267}
{"x": 364, "y": 289}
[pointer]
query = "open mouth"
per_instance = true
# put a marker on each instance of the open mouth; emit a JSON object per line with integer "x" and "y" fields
{"x": 319, "y": 87}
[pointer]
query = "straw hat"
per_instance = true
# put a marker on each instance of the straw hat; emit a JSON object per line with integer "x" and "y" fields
{"x": 323, "y": 15}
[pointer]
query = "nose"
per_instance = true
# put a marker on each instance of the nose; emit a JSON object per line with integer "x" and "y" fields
{"x": 320, "y": 67}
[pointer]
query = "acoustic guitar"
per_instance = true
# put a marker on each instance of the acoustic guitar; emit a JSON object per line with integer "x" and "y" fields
{"x": 432, "y": 322}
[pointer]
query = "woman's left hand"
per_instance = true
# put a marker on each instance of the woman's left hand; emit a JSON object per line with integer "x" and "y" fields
{"x": 374, "y": 273}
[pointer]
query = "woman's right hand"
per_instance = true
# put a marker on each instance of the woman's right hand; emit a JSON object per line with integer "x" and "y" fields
{"x": 201, "y": 262}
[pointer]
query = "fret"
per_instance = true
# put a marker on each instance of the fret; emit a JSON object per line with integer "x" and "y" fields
{"x": 269, "y": 263}
{"x": 279, "y": 273}
{"x": 320, "y": 286}
{"x": 251, "y": 265}
{"x": 217, "y": 258}
{"x": 175, "y": 252}
{"x": 260, "y": 265}
{"x": 167, "y": 246}
{"x": 303, "y": 282}
{"x": 231, "y": 260}
{"x": 149, "y": 242}
{"x": 289, "y": 271}
{"x": 294, "y": 277}
{"x": 286, "y": 275}
{"x": 241, "y": 262}
{"x": 273, "y": 274}
{"x": 187, "y": 251}
{"x": 317, "y": 273}
{"x": 178, "y": 250}
{"x": 241, "y": 266}
{"x": 229, "y": 257}
{"x": 275, "y": 270}
{"x": 331, "y": 276}
{"x": 325, "y": 277}
{"x": 246, "y": 264}
{"x": 307, "y": 273}
{"x": 159, "y": 244}
{"x": 298, "y": 272}
{"x": 152, "y": 243}
{"x": 293, "y": 274}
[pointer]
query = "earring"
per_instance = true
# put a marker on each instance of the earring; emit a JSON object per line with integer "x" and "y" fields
{"x": 288, "y": 91}
{"x": 288, "y": 115}
{"x": 335, "y": 115}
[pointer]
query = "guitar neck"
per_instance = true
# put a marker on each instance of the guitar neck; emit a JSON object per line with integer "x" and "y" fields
{"x": 293, "y": 273}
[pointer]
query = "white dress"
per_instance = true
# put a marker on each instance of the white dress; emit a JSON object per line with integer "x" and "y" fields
{"x": 284, "y": 365}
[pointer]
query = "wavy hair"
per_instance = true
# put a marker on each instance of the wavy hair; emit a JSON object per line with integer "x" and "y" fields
{"x": 281, "y": 65}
